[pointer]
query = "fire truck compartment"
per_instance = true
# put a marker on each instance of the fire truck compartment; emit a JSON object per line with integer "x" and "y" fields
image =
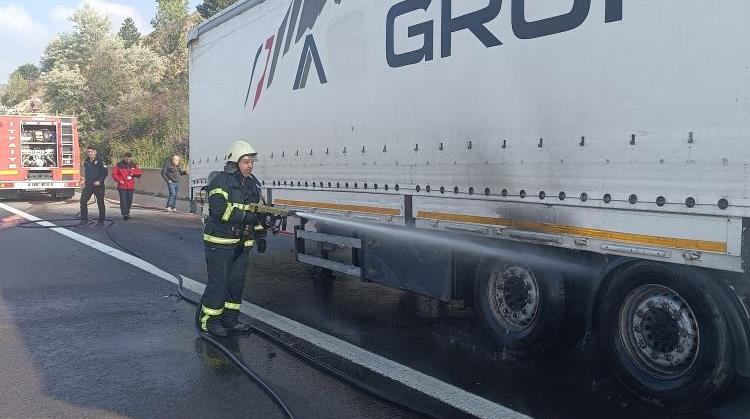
{"x": 39, "y": 145}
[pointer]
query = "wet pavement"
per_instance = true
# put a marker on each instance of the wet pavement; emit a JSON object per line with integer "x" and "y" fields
{"x": 86, "y": 335}
{"x": 424, "y": 334}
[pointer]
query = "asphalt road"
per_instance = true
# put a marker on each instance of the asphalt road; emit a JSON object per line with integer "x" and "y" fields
{"x": 86, "y": 335}
{"x": 53, "y": 282}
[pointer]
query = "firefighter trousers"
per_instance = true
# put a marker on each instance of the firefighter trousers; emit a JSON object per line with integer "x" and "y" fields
{"x": 226, "y": 281}
{"x": 98, "y": 192}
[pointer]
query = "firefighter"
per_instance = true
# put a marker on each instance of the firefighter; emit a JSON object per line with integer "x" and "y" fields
{"x": 230, "y": 233}
{"x": 95, "y": 172}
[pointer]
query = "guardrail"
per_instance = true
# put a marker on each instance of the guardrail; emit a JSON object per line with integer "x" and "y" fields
{"x": 151, "y": 183}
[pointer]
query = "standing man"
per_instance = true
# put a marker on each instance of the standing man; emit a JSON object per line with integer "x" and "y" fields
{"x": 124, "y": 173}
{"x": 227, "y": 249}
{"x": 171, "y": 174}
{"x": 95, "y": 173}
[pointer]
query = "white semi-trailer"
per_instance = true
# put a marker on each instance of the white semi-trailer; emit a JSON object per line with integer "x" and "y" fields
{"x": 580, "y": 164}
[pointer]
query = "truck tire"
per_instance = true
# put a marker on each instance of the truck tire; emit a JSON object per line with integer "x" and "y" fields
{"x": 522, "y": 307}
{"x": 9, "y": 195}
{"x": 665, "y": 337}
{"x": 62, "y": 194}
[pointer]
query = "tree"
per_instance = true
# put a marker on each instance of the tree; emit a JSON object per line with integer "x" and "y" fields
{"x": 212, "y": 7}
{"x": 64, "y": 89}
{"x": 169, "y": 103}
{"x": 28, "y": 71}
{"x": 127, "y": 94}
{"x": 57, "y": 52}
{"x": 129, "y": 33}
{"x": 22, "y": 83}
{"x": 76, "y": 49}
{"x": 90, "y": 72}
{"x": 168, "y": 25}
{"x": 16, "y": 91}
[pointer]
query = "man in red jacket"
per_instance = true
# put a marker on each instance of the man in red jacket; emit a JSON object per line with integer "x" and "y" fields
{"x": 124, "y": 173}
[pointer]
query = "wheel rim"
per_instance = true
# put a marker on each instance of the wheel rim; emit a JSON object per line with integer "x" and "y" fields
{"x": 659, "y": 331}
{"x": 513, "y": 296}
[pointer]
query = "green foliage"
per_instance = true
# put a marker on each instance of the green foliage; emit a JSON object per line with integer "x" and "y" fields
{"x": 16, "y": 90}
{"x": 64, "y": 88}
{"x": 149, "y": 153}
{"x": 211, "y": 7}
{"x": 58, "y": 52}
{"x": 129, "y": 92}
{"x": 129, "y": 33}
{"x": 168, "y": 26}
{"x": 28, "y": 71}
{"x": 22, "y": 84}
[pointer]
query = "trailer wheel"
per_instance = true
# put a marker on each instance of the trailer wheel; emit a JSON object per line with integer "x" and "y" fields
{"x": 524, "y": 308}
{"x": 665, "y": 336}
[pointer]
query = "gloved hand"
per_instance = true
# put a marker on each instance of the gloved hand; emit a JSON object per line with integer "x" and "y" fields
{"x": 250, "y": 219}
{"x": 266, "y": 220}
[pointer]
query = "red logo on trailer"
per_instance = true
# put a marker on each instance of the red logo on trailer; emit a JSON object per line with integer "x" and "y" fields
{"x": 298, "y": 20}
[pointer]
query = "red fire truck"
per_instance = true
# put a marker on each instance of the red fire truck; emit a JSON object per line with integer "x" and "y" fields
{"x": 39, "y": 153}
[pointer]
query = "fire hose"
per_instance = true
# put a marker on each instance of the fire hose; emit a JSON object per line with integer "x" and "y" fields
{"x": 273, "y": 219}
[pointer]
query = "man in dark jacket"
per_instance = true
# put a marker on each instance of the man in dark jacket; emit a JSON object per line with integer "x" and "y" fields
{"x": 227, "y": 244}
{"x": 95, "y": 173}
{"x": 171, "y": 174}
{"x": 125, "y": 173}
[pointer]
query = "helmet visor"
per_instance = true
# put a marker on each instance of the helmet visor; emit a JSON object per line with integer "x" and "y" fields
{"x": 253, "y": 157}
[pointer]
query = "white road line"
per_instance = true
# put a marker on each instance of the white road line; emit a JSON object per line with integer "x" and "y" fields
{"x": 117, "y": 254}
{"x": 437, "y": 389}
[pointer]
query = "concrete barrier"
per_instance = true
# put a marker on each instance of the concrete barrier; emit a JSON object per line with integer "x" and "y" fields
{"x": 151, "y": 183}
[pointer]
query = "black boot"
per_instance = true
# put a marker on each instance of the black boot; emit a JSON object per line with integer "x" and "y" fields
{"x": 230, "y": 321}
{"x": 237, "y": 327}
{"x": 215, "y": 327}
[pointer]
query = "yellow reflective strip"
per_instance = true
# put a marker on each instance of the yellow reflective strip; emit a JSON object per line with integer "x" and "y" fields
{"x": 212, "y": 311}
{"x": 231, "y": 306}
{"x": 227, "y": 213}
{"x": 231, "y": 206}
{"x": 221, "y": 192}
{"x": 8, "y": 172}
{"x": 69, "y": 171}
{"x": 250, "y": 243}
{"x": 631, "y": 238}
{"x": 219, "y": 240}
{"x": 204, "y": 319}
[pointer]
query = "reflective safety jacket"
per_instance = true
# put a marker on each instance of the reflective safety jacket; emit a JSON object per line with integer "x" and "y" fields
{"x": 229, "y": 198}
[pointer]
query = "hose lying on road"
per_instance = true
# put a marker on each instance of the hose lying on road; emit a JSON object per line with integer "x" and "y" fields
{"x": 207, "y": 337}
{"x": 223, "y": 349}
{"x": 276, "y": 340}
{"x": 289, "y": 348}
{"x": 34, "y": 224}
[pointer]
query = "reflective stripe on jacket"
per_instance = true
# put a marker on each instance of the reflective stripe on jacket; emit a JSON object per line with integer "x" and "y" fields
{"x": 229, "y": 198}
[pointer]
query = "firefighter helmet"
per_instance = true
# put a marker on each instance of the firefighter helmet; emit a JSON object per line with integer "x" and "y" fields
{"x": 239, "y": 149}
